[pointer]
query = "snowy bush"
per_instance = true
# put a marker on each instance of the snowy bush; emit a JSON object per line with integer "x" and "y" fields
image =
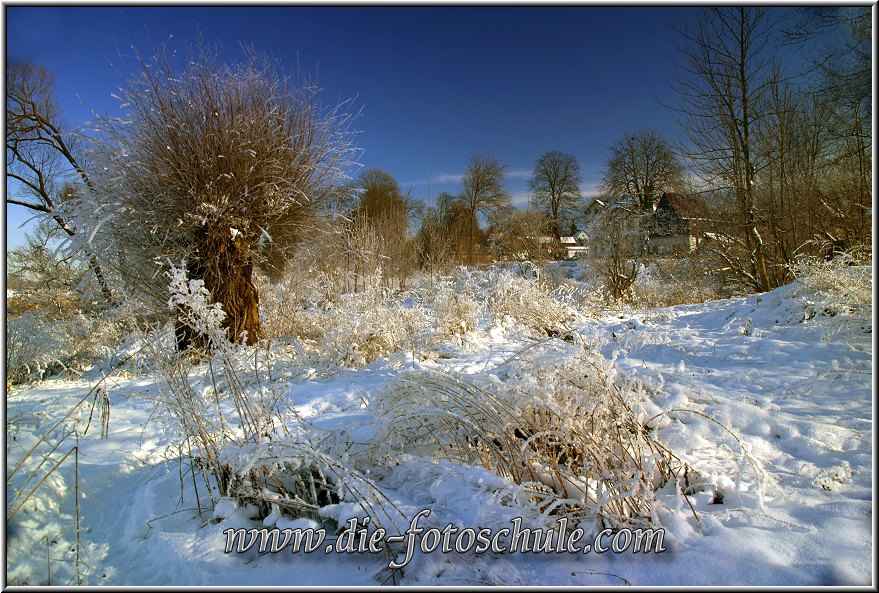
{"x": 38, "y": 343}
{"x": 837, "y": 285}
{"x": 656, "y": 287}
{"x": 137, "y": 351}
{"x": 300, "y": 475}
{"x": 455, "y": 312}
{"x": 96, "y": 336}
{"x": 366, "y": 326}
{"x": 219, "y": 408}
{"x": 561, "y": 424}
{"x": 529, "y": 302}
{"x": 32, "y": 346}
{"x": 278, "y": 304}
{"x": 348, "y": 329}
{"x": 192, "y": 302}
{"x": 666, "y": 282}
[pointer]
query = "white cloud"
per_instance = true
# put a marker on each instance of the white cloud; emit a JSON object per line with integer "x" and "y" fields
{"x": 590, "y": 189}
{"x": 439, "y": 178}
{"x": 448, "y": 178}
{"x": 457, "y": 177}
{"x": 520, "y": 199}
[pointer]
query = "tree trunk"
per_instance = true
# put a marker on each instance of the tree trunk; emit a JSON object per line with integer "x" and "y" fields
{"x": 230, "y": 282}
{"x": 472, "y": 224}
{"x": 226, "y": 266}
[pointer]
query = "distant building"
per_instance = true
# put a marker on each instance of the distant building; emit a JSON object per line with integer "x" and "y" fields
{"x": 673, "y": 227}
{"x": 566, "y": 246}
{"x": 572, "y": 247}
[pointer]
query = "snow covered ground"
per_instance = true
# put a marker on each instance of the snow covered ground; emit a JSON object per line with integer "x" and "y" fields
{"x": 768, "y": 398}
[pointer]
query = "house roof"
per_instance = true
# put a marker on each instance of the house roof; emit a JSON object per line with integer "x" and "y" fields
{"x": 685, "y": 206}
{"x": 562, "y": 240}
{"x": 611, "y": 202}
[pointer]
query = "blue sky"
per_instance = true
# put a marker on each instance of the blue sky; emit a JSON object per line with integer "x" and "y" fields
{"x": 435, "y": 84}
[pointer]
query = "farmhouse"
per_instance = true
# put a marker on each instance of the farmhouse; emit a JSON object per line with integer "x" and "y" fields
{"x": 673, "y": 227}
{"x": 567, "y": 247}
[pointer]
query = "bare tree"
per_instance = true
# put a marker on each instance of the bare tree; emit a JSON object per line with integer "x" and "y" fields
{"x": 642, "y": 165}
{"x": 837, "y": 40}
{"x": 39, "y": 154}
{"x": 482, "y": 192}
{"x": 615, "y": 248}
{"x": 435, "y": 242}
{"x": 846, "y": 87}
{"x": 383, "y": 207}
{"x": 46, "y": 278}
{"x": 722, "y": 87}
{"x": 518, "y": 234}
{"x": 791, "y": 198}
{"x": 218, "y": 164}
{"x": 555, "y": 187}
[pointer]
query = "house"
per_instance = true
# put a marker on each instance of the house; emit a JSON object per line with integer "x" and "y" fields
{"x": 600, "y": 205}
{"x": 612, "y": 224}
{"x": 673, "y": 227}
{"x": 572, "y": 247}
{"x": 566, "y": 246}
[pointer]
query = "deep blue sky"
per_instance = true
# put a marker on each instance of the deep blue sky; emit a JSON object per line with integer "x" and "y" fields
{"x": 435, "y": 84}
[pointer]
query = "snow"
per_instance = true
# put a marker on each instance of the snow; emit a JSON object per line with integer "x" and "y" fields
{"x": 770, "y": 404}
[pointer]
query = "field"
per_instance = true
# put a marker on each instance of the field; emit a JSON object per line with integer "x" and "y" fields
{"x": 742, "y": 427}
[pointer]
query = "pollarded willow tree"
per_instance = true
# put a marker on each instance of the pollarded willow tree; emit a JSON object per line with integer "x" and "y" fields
{"x": 221, "y": 165}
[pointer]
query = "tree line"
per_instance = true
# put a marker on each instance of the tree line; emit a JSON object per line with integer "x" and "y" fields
{"x": 233, "y": 168}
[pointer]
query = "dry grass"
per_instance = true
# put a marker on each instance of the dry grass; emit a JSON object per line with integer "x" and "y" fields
{"x": 40, "y": 344}
{"x": 843, "y": 281}
{"x": 247, "y": 445}
{"x": 455, "y": 312}
{"x": 530, "y": 303}
{"x": 569, "y": 433}
{"x": 561, "y": 425}
{"x": 301, "y": 476}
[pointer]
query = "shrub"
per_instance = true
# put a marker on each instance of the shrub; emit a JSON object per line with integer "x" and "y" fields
{"x": 561, "y": 424}
{"x": 33, "y": 346}
{"x": 839, "y": 283}
{"x": 370, "y": 325}
{"x": 351, "y": 329}
{"x": 249, "y": 446}
{"x": 455, "y": 312}
{"x": 666, "y": 282}
{"x": 529, "y": 302}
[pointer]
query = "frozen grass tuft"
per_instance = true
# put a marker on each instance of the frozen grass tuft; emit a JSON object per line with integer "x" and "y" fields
{"x": 561, "y": 424}
{"x": 39, "y": 344}
{"x": 32, "y": 347}
{"x": 529, "y": 302}
{"x": 837, "y": 285}
{"x": 456, "y": 312}
{"x": 249, "y": 446}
